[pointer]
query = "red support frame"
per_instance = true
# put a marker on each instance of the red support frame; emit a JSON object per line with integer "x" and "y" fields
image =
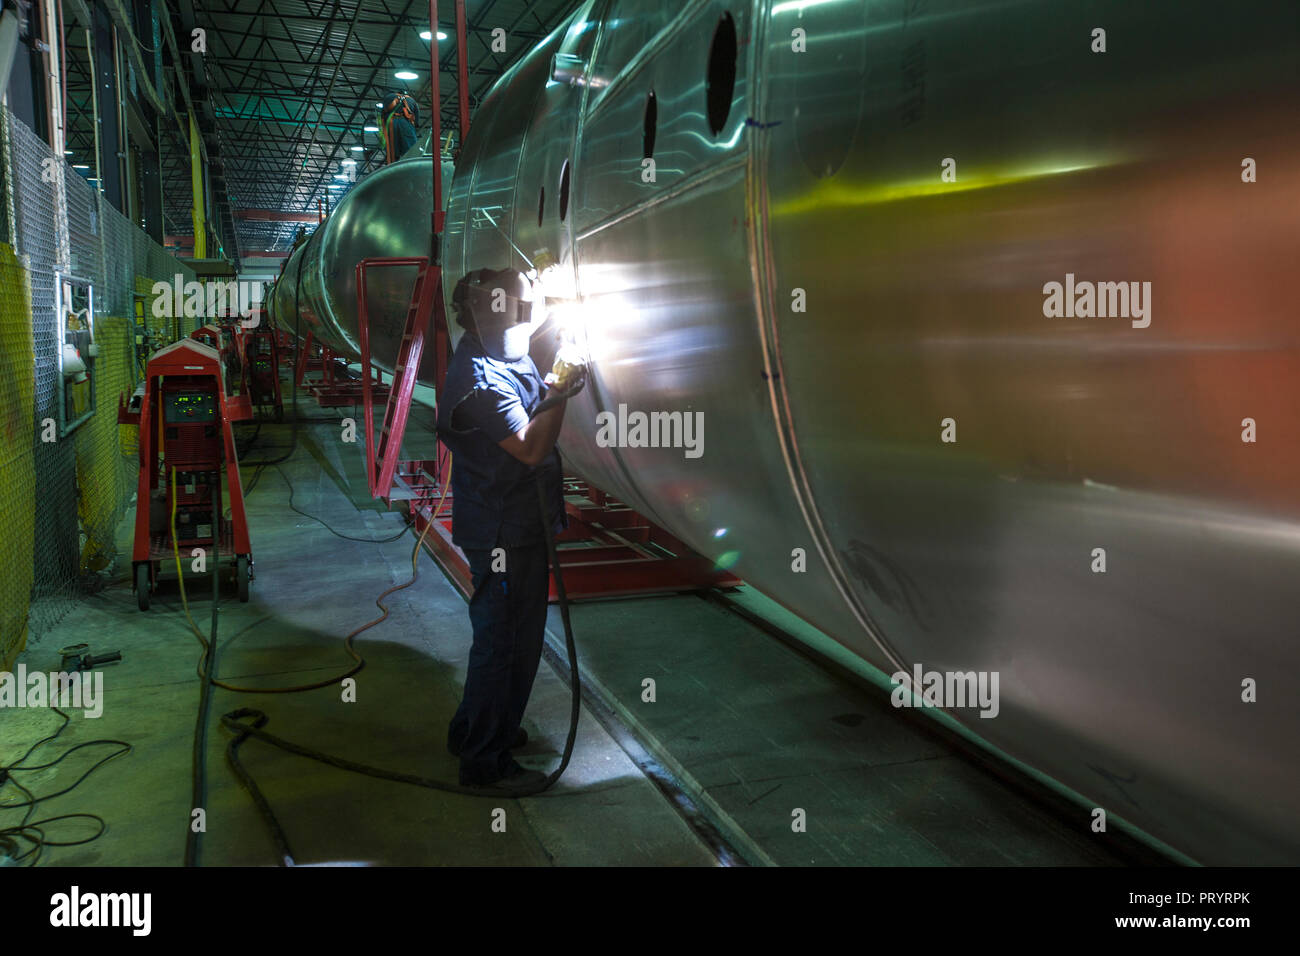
{"x": 611, "y": 551}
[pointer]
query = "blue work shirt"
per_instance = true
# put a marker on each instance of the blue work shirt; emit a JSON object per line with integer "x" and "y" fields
{"x": 494, "y": 498}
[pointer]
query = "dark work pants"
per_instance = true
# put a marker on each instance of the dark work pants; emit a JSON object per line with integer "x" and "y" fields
{"x": 508, "y": 613}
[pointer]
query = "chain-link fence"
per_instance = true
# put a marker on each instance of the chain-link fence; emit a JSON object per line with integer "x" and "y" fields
{"x": 76, "y": 487}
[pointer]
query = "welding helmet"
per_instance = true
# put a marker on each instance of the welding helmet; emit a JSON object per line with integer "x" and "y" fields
{"x": 503, "y": 307}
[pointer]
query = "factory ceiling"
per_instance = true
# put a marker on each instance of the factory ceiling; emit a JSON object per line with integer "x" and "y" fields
{"x": 285, "y": 89}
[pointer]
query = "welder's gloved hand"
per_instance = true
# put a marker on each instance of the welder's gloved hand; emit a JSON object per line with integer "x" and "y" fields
{"x": 568, "y": 375}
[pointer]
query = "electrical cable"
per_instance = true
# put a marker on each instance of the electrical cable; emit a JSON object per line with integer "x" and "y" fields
{"x": 198, "y": 760}
{"x": 337, "y": 534}
{"x": 32, "y": 831}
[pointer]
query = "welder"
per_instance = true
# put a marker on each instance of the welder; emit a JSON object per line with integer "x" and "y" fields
{"x": 398, "y": 118}
{"x": 500, "y": 421}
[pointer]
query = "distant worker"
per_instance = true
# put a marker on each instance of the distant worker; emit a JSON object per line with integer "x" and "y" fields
{"x": 398, "y": 118}
{"x": 502, "y": 446}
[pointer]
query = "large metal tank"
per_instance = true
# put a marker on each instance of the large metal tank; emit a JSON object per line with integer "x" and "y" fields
{"x": 800, "y": 270}
{"x": 386, "y": 214}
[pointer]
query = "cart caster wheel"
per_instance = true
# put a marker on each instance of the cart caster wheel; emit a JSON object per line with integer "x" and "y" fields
{"x": 142, "y": 586}
{"x": 241, "y": 578}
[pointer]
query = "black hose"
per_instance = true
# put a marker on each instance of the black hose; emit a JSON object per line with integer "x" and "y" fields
{"x": 199, "y": 758}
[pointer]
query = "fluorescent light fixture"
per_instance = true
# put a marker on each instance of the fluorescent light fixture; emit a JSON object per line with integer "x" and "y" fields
{"x": 358, "y": 149}
{"x": 426, "y": 35}
{"x": 406, "y": 75}
{"x": 380, "y": 105}
{"x": 340, "y": 175}
{"x": 80, "y": 166}
{"x": 441, "y": 35}
{"x": 67, "y": 152}
{"x": 369, "y": 129}
{"x": 349, "y": 162}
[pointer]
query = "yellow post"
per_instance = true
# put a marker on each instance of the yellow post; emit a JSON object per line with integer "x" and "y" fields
{"x": 196, "y": 186}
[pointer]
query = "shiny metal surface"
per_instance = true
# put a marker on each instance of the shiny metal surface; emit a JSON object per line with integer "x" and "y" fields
{"x": 387, "y": 214}
{"x": 923, "y": 300}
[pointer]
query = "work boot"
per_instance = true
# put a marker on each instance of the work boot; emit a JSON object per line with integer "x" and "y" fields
{"x": 454, "y": 747}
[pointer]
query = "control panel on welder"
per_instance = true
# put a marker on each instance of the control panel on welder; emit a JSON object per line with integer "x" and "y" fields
{"x": 192, "y": 452}
{"x": 190, "y": 407}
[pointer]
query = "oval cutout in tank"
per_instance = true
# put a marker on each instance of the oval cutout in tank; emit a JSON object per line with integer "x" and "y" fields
{"x": 650, "y": 126}
{"x": 564, "y": 191}
{"x": 721, "y": 82}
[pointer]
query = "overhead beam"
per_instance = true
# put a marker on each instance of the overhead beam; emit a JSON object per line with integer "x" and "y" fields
{"x": 274, "y": 215}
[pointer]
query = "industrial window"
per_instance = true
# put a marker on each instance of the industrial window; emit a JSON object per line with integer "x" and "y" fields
{"x": 651, "y": 123}
{"x": 721, "y": 82}
{"x": 564, "y": 191}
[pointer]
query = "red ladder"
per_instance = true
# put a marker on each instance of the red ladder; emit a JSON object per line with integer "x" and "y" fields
{"x": 382, "y": 462}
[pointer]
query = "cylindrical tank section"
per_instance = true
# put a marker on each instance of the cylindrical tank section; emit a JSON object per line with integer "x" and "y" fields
{"x": 387, "y": 214}
{"x": 980, "y": 322}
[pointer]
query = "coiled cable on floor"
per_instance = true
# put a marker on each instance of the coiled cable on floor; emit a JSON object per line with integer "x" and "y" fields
{"x": 33, "y": 831}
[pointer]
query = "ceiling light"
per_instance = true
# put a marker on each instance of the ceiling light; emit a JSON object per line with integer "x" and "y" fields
{"x": 441, "y": 35}
{"x": 340, "y": 175}
{"x": 358, "y": 149}
{"x": 369, "y": 129}
{"x": 426, "y": 35}
{"x": 349, "y": 162}
{"x": 79, "y": 166}
{"x": 67, "y": 152}
{"x": 406, "y": 75}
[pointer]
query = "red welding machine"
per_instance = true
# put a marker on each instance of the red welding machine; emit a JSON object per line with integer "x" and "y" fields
{"x": 186, "y": 442}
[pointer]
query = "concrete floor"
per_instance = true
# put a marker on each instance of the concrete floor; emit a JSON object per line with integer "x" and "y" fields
{"x": 311, "y": 589}
{"x": 754, "y": 730}
{"x": 747, "y": 728}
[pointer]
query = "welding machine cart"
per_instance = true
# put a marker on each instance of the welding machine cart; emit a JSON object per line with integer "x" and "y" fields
{"x": 185, "y": 418}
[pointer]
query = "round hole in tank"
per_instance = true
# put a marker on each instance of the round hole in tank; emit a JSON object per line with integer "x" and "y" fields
{"x": 721, "y": 81}
{"x": 541, "y": 205}
{"x": 650, "y": 127}
{"x": 564, "y": 191}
